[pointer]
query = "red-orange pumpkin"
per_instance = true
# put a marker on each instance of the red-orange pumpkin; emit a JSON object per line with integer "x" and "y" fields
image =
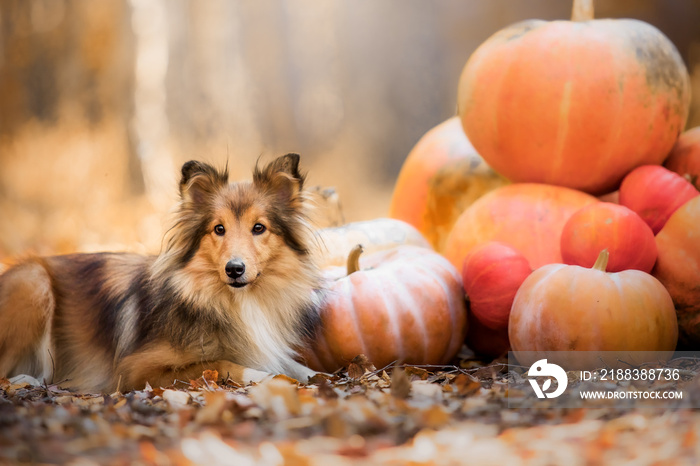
{"x": 574, "y": 103}
{"x": 441, "y": 176}
{"x": 485, "y": 341}
{"x": 492, "y": 274}
{"x": 655, "y": 193}
{"x": 570, "y": 308}
{"x": 684, "y": 158}
{"x": 604, "y": 225}
{"x": 402, "y": 304}
{"x": 528, "y": 216}
{"x": 678, "y": 268}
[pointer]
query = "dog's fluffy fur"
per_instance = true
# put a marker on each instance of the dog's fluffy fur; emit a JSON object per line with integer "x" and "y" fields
{"x": 102, "y": 321}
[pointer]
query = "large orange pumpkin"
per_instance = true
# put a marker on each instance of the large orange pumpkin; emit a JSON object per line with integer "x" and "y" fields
{"x": 403, "y": 304}
{"x": 530, "y": 217}
{"x": 678, "y": 268}
{"x": 574, "y": 103}
{"x": 570, "y": 308}
{"x": 441, "y": 176}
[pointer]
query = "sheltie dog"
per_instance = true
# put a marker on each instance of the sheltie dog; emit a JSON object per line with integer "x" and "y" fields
{"x": 236, "y": 289}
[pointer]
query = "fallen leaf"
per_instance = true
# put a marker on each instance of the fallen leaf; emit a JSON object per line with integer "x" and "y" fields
{"x": 286, "y": 378}
{"x": 425, "y": 389}
{"x": 206, "y": 381}
{"x": 319, "y": 378}
{"x": 176, "y": 398}
{"x": 384, "y": 380}
{"x": 466, "y": 385}
{"x": 435, "y": 416}
{"x": 214, "y": 405}
{"x": 4, "y": 383}
{"x": 400, "y": 384}
{"x": 418, "y": 372}
{"x": 210, "y": 375}
{"x": 278, "y": 396}
{"x": 337, "y": 425}
{"x": 690, "y": 438}
{"x": 359, "y": 365}
{"x": 326, "y": 391}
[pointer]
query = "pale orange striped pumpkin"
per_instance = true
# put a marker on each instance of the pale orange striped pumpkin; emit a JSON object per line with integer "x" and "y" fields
{"x": 581, "y": 312}
{"x": 403, "y": 304}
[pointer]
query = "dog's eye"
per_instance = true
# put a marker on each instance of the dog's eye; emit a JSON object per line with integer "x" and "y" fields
{"x": 219, "y": 230}
{"x": 258, "y": 229}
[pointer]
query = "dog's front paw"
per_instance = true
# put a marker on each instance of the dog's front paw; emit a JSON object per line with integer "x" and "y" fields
{"x": 25, "y": 379}
{"x": 299, "y": 372}
{"x": 253, "y": 376}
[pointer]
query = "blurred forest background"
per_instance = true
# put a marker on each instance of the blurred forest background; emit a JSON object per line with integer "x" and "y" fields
{"x": 101, "y": 101}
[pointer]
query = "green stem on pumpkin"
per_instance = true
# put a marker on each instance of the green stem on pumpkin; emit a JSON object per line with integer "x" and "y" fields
{"x": 582, "y": 11}
{"x": 354, "y": 259}
{"x": 602, "y": 262}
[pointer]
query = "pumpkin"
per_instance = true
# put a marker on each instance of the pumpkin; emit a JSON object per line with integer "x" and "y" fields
{"x": 613, "y": 197}
{"x": 528, "y": 216}
{"x": 402, "y": 304}
{"x": 678, "y": 268}
{"x": 574, "y": 103}
{"x": 654, "y": 193}
{"x": 485, "y": 341}
{"x": 323, "y": 206}
{"x": 441, "y": 176}
{"x": 563, "y": 307}
{"x": 334, "y": 244}
{"x": 684, "y": 158}
{"x": 604, "y": 225}
{"x": 491, "y": 275}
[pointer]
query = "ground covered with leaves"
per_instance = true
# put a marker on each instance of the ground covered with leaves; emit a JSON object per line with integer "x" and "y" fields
{"x": 396, "y": 415}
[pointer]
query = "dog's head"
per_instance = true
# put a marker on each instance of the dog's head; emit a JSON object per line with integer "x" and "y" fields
{"x": 241, "y": 231}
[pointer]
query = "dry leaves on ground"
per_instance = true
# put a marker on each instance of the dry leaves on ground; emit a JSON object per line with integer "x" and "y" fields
{"x": 398, "y": 415}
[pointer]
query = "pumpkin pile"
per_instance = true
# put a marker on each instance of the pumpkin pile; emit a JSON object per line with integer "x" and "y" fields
{"x": 564, "y": 192}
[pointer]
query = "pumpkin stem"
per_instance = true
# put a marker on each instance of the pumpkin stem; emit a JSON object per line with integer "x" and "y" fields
{"x": 692, "y": 179}
{"x": 602, "y": 262}
{"x": 354, "y": 259}
{"x": 582, "y": 11}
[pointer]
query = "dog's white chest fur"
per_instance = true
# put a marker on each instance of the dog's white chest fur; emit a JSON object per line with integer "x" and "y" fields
{"x": 275, "y": 354}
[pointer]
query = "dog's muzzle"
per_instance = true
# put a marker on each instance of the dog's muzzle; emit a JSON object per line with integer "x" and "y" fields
{"x": 235, "y": 270}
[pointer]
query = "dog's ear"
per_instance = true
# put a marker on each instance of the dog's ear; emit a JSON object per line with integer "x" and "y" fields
{"x": 200, "y": 181}
{"x": 282, "y": 177}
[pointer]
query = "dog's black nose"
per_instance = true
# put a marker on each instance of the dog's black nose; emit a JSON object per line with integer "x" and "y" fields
{"x": 235, "y": 268}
